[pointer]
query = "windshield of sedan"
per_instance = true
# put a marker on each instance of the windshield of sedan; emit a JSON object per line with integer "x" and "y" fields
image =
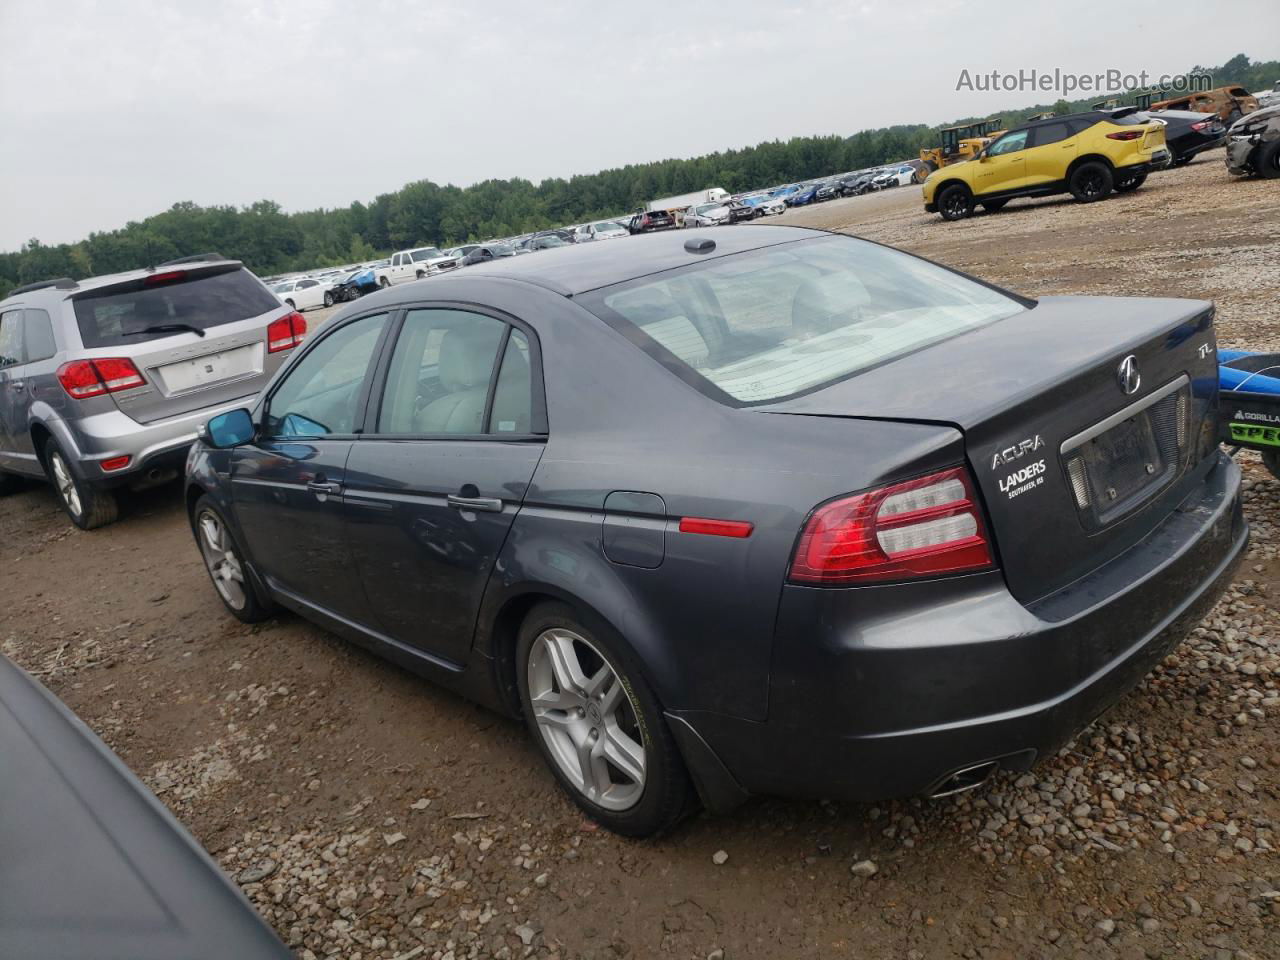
{"x": 774, "y": 323}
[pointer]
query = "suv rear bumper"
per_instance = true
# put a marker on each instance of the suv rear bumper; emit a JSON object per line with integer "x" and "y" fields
{"x": 88, "y": 441}
{"x": 885, "y": 691}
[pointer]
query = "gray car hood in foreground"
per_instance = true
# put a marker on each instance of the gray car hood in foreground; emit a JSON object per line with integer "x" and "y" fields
{"x": 92, "y": 866}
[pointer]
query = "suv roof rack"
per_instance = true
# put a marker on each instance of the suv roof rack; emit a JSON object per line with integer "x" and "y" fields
{"x": 194, "y": 258}
{"x": 62, "y": 283}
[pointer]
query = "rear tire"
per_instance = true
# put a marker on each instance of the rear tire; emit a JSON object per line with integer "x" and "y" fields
{"x": 88, "y": 508}
{"x": 992, "y": 206}
{"x": 1091, "y": 181}
{"x": 955, "y": 202}
{"x": 292, "y": 305}
{"x": 620, "y": 716}
{"x": 1130, "y": 183}
{"x": 383, "y": 282}
{"x": 1266, "y": 160}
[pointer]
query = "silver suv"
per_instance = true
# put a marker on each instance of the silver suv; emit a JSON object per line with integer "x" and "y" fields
{"x": 104, "y": 382}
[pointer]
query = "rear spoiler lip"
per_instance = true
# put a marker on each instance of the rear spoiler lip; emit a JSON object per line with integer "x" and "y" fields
{"x": 194, "y": 271}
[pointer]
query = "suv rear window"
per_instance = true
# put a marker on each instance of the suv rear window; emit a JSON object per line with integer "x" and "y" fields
{"x": 120, "y": 314}
{"x": 769, "y": 324}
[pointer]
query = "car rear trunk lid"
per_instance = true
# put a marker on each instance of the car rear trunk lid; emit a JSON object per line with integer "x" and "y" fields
{"x": 222, "y": 359}
{"x": 1082, "y": 418}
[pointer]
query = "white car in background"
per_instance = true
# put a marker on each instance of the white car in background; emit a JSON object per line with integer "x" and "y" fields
{"x": 304, "y": 293}
{"x": 897, "y": 177}
{"x": 414, "y": 265}
{"x": 600, "y": 230}
{"x": 706, "y": 215}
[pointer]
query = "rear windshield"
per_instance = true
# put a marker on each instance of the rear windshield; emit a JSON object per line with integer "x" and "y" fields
{"x": 774, "y": 323}
{"x": 121, "y": 314}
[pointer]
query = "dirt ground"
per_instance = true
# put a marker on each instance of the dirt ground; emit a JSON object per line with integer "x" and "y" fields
{"x": 369, "y": 814}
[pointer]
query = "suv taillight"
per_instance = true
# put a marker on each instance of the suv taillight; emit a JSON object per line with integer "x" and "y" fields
{"x": 1125, "y": 135}
{"x": 927, "y": 527}
{"x": 93, "y": 378}
{"x": 286, "y": 333}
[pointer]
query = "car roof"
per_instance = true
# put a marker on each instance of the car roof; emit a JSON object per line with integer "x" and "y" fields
{"x": 577, "y": 268}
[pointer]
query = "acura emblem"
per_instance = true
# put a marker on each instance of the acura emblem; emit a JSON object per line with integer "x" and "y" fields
{"x": 1127, "y": 375}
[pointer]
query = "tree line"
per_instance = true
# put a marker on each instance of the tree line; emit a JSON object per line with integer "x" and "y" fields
{"x": 269, "y": 240}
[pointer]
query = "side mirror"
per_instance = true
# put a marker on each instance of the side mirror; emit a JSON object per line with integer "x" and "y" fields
{"x": 226, "y": 430}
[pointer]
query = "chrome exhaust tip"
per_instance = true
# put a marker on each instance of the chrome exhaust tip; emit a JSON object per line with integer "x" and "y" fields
{"x": 964, "y": 779}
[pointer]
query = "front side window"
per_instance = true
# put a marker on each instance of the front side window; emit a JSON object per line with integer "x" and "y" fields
{"x": 438, "y": 380}
{"x": 769, "y": 324}
{"x": 1009, "y": 143}
{"x": 320, "y": 396}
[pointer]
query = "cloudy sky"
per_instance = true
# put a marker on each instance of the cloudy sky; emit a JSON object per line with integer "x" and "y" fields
{"x": 114, "y": 111}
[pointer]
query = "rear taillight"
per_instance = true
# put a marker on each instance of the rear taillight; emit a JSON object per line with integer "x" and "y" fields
{"x": 1202, "y": 125}
{"x": 93, "y": 378}
{"x": 1125, "y": 135}
{"x": 286, "y": 333}
{"x": 926, "y": 527}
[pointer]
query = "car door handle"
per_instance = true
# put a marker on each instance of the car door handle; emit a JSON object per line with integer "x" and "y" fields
{"x": 484, "y": 504}
{"x": 18, "y": 384}
{"x": 323, "y": 489}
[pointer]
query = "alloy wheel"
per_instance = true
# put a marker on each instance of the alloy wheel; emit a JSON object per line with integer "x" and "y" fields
{"x": 66, "y": 485}
{"x": 1091, "y": 185}
{"x": 957, "y": 204}
{"x": 220, "y": 557}
{"x": 587, "y": 719}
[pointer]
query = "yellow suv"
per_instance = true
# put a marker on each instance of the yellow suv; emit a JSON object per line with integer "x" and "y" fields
{"x": 1085, "y": 154}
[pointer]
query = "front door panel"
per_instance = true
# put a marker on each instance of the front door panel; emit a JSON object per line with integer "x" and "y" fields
{"x": 288, "y": 501}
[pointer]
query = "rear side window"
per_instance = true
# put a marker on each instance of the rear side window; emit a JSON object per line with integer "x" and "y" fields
{"x": 38, "y": 335}
{"x": 761, "y": 326}
{"x": 10, "y": 338}
{"x": 1051, "y": 133}
{"x": 165, "y": 304}
{"x": 438, "y": 381}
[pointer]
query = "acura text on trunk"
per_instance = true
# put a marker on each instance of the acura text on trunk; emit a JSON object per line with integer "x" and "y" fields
{"x": 775, "y": 512}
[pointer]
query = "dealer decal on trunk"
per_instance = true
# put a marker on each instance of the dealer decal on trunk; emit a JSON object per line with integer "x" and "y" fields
{"x": 1020, "y": 481}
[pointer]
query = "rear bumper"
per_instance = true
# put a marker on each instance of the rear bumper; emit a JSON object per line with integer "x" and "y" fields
{"x": 885, "y": 691}
{"x": 160, "y": 444}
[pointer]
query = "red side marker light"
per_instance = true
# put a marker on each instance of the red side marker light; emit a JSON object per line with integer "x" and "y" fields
{"x": 738, "y": 529}
{"x": 114, "y": 463}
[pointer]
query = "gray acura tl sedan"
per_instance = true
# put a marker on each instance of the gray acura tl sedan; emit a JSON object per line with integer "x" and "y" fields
{"x": 777, "y": 512}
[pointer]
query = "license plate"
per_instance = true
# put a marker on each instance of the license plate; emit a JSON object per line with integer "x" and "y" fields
{"x": 1124, "y": 459}
{"x": 210, "y": 369}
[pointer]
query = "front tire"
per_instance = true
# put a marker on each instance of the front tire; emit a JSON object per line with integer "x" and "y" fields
{"x": 1091, "y": 181}
{"x": 87, "y": 507}
{"x": 955, "y": 202}
{"x": 292, "y": 305}
{"x": 598, "y": 724}
{"x": 328, "y": 299}
{"x": 224, "y": 562}
{"x": 1266, "y": 160}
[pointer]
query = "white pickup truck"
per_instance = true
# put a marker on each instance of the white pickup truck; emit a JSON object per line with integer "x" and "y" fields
{"x": 414, "y": 265}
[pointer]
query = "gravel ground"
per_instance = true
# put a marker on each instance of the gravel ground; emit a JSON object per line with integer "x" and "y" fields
{"x": 368, "y": 814}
